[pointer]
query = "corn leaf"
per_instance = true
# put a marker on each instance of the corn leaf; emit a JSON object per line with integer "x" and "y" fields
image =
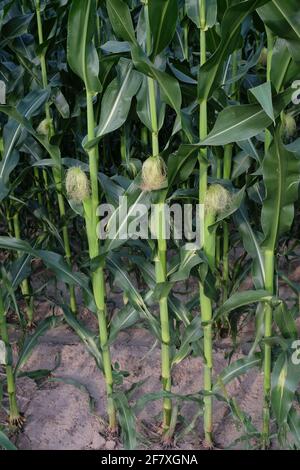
{"x": 5, "y": 443}
{"x": 281, "y": 170}
{"x": 82, "y": 55}
{"x": 282, "y": 18}
{"x": 285, "y": 380}
{"x": 163, "y": 18}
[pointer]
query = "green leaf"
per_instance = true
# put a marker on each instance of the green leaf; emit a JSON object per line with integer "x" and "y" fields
{"x": 241, "y": 299}
{"x": 294, "y": 425}
{"x": 192, "y": 333}
{"x": 88, "y": 338}
{"x": 241, "y": 122}
{"x": 285, "y": 380}
{"x": 281, "y": 63}
{"x": 32, "y": 340}
{"x": 285, "y": 321}
{"x": 119, "y": 15}
{"x": 144, "y": 400}
{"x": 127, "y": 214}
{"x": 120, "y": 18}
{"x": 53, "y": 260}
{"x": 251, "y": 242}
{"x": 5, "y": 443}
{"x": 15, "y": 27}
{"x": 236, "y": 369}
{"x": 12, "y": 112}
{"x": 81, "y": 52}
{"x": 79, "y": 386}
{"x": 188, "y": 260}
{"x": 263, "y": 94}
{"x": 116, "y": 101}
{"x": 181, "y": 164}
{"x": 169, "y": 86}
{"x": 126, "y": 421}
{"x": 282, "y": 17}
{"x": 124, "y": 318}
{"x": 12, "y": 132}
{"x": 211, "y": 71}
{"x": 236, "y": 201}
{"x": 143, "y": 105}
{"x": 193, "y": 11}
{"x": 163, "y": 18}
{"x": 281, "y": 170}
{"x": 122, "y": 280}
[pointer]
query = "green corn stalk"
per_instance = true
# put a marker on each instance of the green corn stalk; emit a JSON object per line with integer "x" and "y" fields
{"x": 14, "y": 229}
{"x": 269, "y": 260}
{"x": 56, "y": 171}
{"x": 82, "y": 20}
{"x": 161, "y": 255}
{"x": 208, "y": 247}
{"x": 98, "y": 279}
{"x": 25, "y": 289}
{"x": 15, "y": 417}
{"x": 227, "y": 175}
{"x": 49, "y": 124}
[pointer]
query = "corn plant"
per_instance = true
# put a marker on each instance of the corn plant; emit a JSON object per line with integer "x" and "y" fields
{"x": 15, "y": 417}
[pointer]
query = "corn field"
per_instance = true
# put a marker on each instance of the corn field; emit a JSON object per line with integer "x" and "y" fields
{"x": 150, "y": 248}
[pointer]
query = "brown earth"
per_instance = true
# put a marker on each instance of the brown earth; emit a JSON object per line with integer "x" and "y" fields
{"x": 58, "y": 414}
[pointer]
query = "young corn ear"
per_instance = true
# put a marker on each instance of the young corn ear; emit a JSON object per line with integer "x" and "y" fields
{"x": 289, "y": 126}
{"x": 217, "y": 199}
{"x": 77, "y": 184}
{"x": 154, "y": 174}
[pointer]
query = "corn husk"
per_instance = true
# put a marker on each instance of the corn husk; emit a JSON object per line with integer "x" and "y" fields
{"x": 77, "y": 184}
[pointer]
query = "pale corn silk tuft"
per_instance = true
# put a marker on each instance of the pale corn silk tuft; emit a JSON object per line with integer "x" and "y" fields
{"x": 217, "y": 199}
{"x": 77, "y": 184}
{"x": 154, "y": 174}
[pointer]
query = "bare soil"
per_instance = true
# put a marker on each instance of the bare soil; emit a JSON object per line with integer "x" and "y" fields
{"x": 59, "y": 416}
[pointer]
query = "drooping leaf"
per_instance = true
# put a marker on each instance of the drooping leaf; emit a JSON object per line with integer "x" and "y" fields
{"x": 53, "y": 260}
{"x": 32, "y": 340}
{"x": 88, "y": 338}
{"x": 281, "y": 16}
{"x": 294, "y": 425}
{"x": 163, "y": 18}
{"x": 241, "y": 122}
{"x": 211, "y": 71}
{"x": 236, "y": 369}
{"x": 82, "y": 55}
{"x": 12, "y": 112}
{"x": 285, "y": 321}
{"x": 116, "y": 101}
{"x": 126, "y": 420}
{"x": 119, "y": 15}
{"x": 12, "y": 134}
{"x": 285, "y": 380}
{"x": 281, "y": 179}
{"x": 242, "y": 299}
{"x": 123, "y": 281}
{"x": 5, "y": 443}
{"x": 263, "y": 94}
{"x": 193, "y": 332}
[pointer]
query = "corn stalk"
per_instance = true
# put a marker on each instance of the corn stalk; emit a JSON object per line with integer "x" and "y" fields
{"x": 56, "y": 170}
{"x": 208, "y": 247}
{"x": 161, "y": 255}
